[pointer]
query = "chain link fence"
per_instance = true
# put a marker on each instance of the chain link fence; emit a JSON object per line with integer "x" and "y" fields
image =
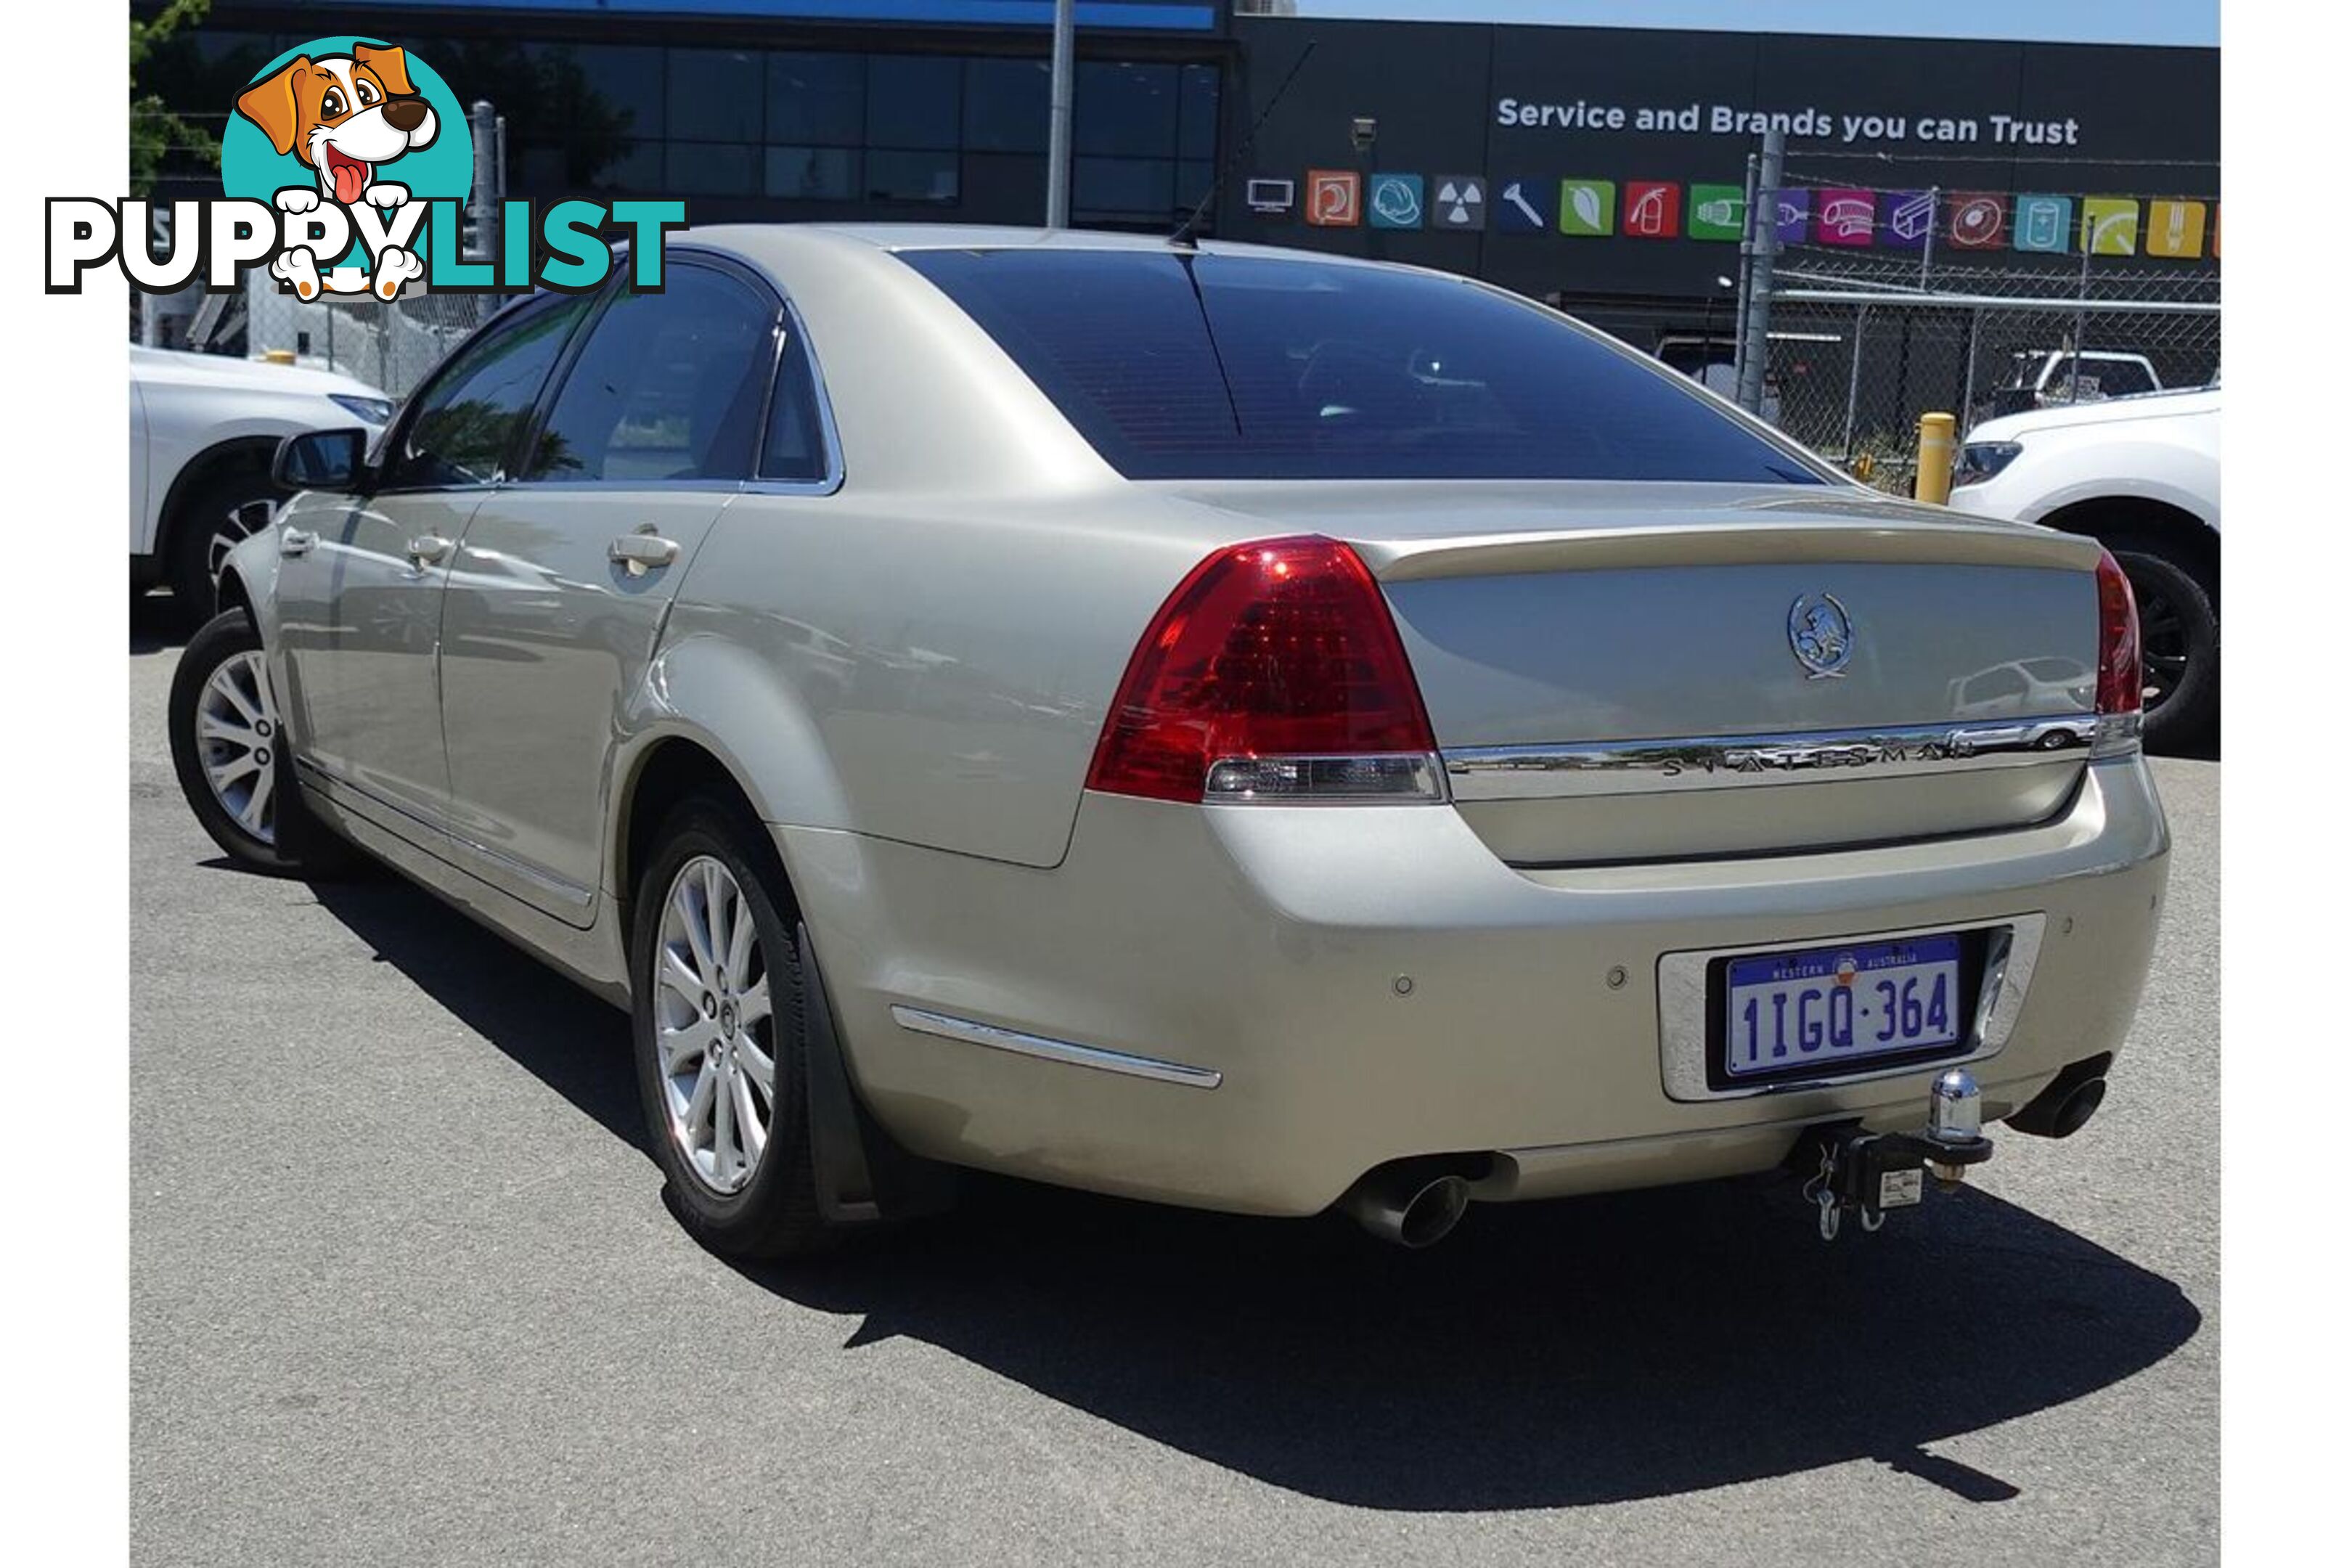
{"x": 388, "y": 346}
{"x": 1862, "y": 344}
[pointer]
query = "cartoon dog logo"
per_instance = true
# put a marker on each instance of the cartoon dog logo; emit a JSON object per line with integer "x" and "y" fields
{"x": 345, "y": 116}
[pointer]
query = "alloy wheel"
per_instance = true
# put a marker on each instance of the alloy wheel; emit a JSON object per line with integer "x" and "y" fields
{"x": 236, "y": 734}
{"x": 233, "y": 528}
{"x": 714, "y": 1029}
{"x": 2163, "y": 645}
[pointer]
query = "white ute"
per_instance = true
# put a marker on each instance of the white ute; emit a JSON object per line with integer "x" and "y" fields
{"x": 2142, "y": 476}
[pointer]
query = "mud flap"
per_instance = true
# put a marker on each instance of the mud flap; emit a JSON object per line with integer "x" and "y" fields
{"x": 863, "y": 1177}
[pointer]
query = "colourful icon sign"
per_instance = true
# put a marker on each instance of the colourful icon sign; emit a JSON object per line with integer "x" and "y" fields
{"x": 1845, "y": 216}
{"x": 1588, "y": 206}
{"x": 1906, "y": 218}
{"x": 1271, "y": 196}
{"x": 1460, "y": 202}
{"x": 1653, "y": 209}
{"x": 1524, "y": 207}
{"x": 1718, "y": 211}
{"x": 1978, "y": 220}
{"x": 2176, "y": 228}
{"x": 2110, "y": 226}
{"x": 1794, "y": 222}
{"x": 1335, "y": 198}
{"x": 1396, "y": 201}
{"x": 2040, "y": 223}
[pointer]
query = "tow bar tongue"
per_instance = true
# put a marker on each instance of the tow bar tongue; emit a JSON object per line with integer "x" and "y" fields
{"x": 1870, "y": 1172}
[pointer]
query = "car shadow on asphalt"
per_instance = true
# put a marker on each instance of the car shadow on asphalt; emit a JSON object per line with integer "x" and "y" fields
{"x": 1592, "y": 1351}
{"x": 156, "y": 623}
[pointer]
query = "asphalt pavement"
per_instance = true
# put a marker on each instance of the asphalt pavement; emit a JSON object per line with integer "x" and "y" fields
{"x": 404, "y": 1291}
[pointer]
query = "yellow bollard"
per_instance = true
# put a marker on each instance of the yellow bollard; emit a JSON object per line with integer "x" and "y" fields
{"x": 1934, "y": 482}
{"x": 278, "y": 357}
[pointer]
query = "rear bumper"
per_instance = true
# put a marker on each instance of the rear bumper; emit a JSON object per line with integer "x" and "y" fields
{"x": 1371, "y": 983}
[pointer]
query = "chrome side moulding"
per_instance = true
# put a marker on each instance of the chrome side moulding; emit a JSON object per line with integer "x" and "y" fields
{"x": 336, "y": 787}
{"x": 1002, "y": 1039}
{"x": 2012, "y": 947}
{"x": 1726, "y": 762}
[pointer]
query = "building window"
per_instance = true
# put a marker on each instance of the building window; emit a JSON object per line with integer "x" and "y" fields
{"x": 711, "y": 168}
{"x": 914, "y": 100}
{"x": 898, "y": 175}
{"x": 1122, "y": 188}
{"x": 1196, "y": 135}
{"x": 820, "y": 126}
{"x": 813, "y": 174}
{"x": 715, "y": 95}
{"x": 585, "y": 117}
{"x": 1126, "y": 110}
{"x": 624, "y": 83}
{"x": 818, "y": 99}
{"x": 1005, "y": 103}
{"x": 1192, "y": 184}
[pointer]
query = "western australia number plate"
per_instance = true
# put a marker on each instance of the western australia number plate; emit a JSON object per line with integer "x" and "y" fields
{"x": 1833, "y": 1008}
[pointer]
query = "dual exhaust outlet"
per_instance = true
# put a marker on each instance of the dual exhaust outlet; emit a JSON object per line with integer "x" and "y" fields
{"x": 1417, "y": 1202}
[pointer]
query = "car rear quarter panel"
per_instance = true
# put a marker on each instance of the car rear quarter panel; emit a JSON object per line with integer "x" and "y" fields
{"x": 931, "y": 672}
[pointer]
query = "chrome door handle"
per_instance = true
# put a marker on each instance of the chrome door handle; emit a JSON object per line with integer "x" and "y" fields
{"x": 296, "y": 541}
{"x": 428, "y": 549}
{"x": 641, "y": 553}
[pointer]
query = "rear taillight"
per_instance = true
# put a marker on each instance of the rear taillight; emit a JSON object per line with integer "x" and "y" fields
{"x": 2120, "y": 677}
{"x": 1273, "y": 673}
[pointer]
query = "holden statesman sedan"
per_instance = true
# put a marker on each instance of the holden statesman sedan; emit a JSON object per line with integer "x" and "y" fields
{"x": 1218, "y": 725}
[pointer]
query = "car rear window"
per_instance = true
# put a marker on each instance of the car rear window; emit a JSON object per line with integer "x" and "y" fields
{"x": 1179, "y": 365}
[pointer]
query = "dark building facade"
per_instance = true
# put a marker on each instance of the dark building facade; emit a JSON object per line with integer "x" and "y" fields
{"x": 1600, "y": 168}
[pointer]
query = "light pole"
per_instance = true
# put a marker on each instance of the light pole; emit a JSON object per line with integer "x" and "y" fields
{"x": 1058, "y": 135}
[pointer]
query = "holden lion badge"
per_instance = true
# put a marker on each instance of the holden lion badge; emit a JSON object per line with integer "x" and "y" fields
{"x": 1821, "y": 633}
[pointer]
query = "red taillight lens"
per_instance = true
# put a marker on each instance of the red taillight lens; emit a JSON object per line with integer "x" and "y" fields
{"x": 2120, "y": 679}
{"x": 1278, "y": 657}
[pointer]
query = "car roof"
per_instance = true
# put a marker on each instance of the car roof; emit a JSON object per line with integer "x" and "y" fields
{"x": 778, "y": 241}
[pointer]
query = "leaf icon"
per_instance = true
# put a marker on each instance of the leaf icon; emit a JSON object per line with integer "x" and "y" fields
{"x": 1586, "y": 203}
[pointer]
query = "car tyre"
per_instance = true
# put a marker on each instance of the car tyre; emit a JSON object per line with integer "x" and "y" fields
{"x": 2180, "y": 649}
{"x": 228, "y": 751}
{"x": 216, "y": 519}
{"x": 721, "y": 1035}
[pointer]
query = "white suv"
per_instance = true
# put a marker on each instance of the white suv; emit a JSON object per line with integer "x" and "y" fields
{"x": 204, "y": 428}
{"x": 2143, "y": 476}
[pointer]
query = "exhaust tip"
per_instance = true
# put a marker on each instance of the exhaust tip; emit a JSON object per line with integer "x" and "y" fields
{"x": 2078, "y": 1108}
{"x": 2071, "y": 1098}
{"x": 1434, "y": 1213}
{"x": 1412, "y": 1204}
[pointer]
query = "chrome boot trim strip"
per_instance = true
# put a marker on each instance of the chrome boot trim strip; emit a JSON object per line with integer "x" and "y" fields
{"x": 1726, "y": 762}
{"x": 1014, "y": 1040}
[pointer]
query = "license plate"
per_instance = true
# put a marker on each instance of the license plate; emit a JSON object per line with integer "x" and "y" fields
{"x": 1834, "y": 1008}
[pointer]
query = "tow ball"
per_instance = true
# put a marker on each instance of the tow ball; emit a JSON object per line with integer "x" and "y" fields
{"x": 1868, "y": 1174}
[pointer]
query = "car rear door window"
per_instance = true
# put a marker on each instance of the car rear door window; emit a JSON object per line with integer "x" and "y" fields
{"x": 1177, "y": 364}
{"x": 468, "y": 417}
{"x": 667, "y": 386}
{"x": 796, "y": 449}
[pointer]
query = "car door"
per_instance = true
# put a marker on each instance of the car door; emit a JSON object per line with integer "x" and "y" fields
{"x": 565, "y": 573}
{"x": 361, "y": 576}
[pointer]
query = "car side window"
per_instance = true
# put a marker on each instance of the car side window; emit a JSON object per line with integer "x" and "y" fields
{"x": 795, "y": 446}
{"x": 667, "y": 386}
{"x": 466, "y": 422}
